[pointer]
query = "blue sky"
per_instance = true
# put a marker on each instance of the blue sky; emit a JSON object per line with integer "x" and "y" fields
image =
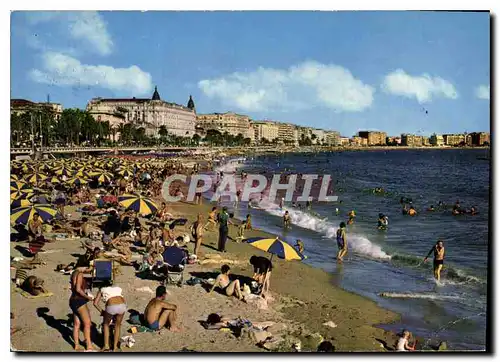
{"x": 344, "y": 71}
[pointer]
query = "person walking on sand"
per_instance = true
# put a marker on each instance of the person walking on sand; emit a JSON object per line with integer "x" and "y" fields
{"x": 159, "y": 313}
{"x": 81, "y": 314}
{"x": 197, "y": 233}
{"x": 115, "y": 309}
{"x": 341, "y": 242}
{"x": 212, "y": 218}
{"x": 438, "y": 251}
{"x": 223, "y": 219}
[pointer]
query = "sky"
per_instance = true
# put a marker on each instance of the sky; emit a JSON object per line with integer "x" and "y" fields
{"x": 398, "y": 72}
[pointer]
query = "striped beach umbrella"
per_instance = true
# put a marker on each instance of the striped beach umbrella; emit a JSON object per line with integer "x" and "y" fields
{"x": 276, "y": 247}
{"x": 22, "y": 215}
{"x": 140, "y": 204}
{"x": 35, "y": 178}
{"x": 125, "y": 172}
{"x": 77, "y": 181}
{"x": 64, "y": 171}
{"x": 53, "y": 180}
{"x": 14, "y": 177}
{"x": 21, "y": 202}
{"x": 104, "y": 177}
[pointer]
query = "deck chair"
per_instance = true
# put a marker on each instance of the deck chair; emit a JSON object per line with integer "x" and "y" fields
{"x": 102, "y": 272}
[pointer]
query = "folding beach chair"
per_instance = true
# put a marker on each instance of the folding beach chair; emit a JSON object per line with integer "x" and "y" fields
{"x": 102, "y": 272}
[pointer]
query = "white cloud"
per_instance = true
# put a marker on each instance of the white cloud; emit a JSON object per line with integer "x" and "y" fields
{"x": 423, "y": 88}
{"x": 60, "y": 69}
{"x": 306, "y": 85}
{"x": 86, "y": 26}
{"x": 483, "y": 92}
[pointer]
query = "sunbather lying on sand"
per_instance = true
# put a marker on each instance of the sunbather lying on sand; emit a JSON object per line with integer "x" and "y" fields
{"x": 33, "y": 285}
{"x": 225, "y": 285}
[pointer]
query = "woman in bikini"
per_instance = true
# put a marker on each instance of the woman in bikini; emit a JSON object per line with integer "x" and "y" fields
{"x": 78, "y": 304}
{"x": 115, "y": 307}
{"x": 226, "y": 286}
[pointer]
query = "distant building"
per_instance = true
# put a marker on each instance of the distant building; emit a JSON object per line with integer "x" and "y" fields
{"x": 479, "y": 138}
{"x": 393, "y": 140}
{"x": 150, "y": 113}
{"x": 436, "y": 140}
{"x": 20, "y": 106}
{"x": 229, "y": 122}
{"x": 453, "y": 139}
{"x": 287, "y": 133}
{"x": 114, "y": 119}
{"x": 359, "y": 141}
{"x": 411, "y": 140}
{"x": 345, "y": 141}
{"x": 265, "y": 130}
{"x": 374, "y": 138}
{"x": 332, "y": 138}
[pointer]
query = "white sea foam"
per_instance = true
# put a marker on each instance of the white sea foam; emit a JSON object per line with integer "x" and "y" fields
{"x": 357, "y": 243}
{"x": 429, "y": 296}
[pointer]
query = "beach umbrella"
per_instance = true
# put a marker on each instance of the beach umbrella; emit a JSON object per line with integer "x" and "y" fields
{"x": 15, "y": 203}
{"x": 104, "y": 177}
{"x": 125, "y": 172}
{"x": 174, "y": 255}
{"x": 22, "y": 215}
{"x": 82, "y": 172}
{"x": 77, "y": 181}
{"x": 53, "y": 180}
{"x": 14, "y": 177}
{"x": 277, "y": 247}
{"x": 96, "y": 172}
{"x": 19, "y": 186}
{"x": 26, "y": 168}
{"x": 140, "y": 204}
{"x": 64, "y": 171}
{"x": 35, "y": 177}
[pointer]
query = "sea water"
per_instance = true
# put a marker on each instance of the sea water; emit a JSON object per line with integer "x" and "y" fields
{"x": 387, "y": 266}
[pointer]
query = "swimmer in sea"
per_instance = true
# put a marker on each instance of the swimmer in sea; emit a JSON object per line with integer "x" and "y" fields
{"x": 431, "y": 208}
{"x": 412, "y": 211}
{"x": 438, "y": 251}
{"x": 341, "y": 242}
{"x": 351, "y": 215}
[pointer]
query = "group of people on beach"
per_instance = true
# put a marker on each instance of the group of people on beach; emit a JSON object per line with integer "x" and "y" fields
{"x": 105, "y": 221}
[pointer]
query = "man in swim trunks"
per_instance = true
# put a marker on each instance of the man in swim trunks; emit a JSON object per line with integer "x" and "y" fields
{"x": 158, "y": 312}
{"x": 438, "y": 251}
{"x": 286, "y": 220}
{"x": 341, "y": 242}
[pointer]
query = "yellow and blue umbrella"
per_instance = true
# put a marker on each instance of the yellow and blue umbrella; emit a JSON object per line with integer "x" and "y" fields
{"x": 34, "y": 178}
{"x": 277, "y": 247}
{"x": 18, "y": 186}
{"x": 21, "y": 202}
{"x": 54, "y": 180}
{"x": 125, "y": 172}
{"x": 105, "y": 177}
{"x": 140, "y": 204}
{"x": 77, "y": 181}
{"x": 22, "y": 215}
{"x": 64, "y": 171}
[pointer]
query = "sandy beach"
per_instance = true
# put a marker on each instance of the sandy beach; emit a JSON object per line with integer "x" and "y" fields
{"x": 303, "y": 300}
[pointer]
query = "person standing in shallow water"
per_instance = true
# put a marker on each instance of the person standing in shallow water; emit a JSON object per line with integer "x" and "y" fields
{"x": 341, "y": 242}
{"x": 438, "y": 251}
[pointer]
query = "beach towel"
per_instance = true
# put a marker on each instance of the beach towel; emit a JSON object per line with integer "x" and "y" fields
{"x": 29, "y": 296}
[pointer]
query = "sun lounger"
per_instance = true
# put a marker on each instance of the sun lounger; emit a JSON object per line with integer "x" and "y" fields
{"x": 102, "y": 272}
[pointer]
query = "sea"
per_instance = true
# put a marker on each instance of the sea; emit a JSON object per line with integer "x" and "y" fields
{"x": 387, "y": 266}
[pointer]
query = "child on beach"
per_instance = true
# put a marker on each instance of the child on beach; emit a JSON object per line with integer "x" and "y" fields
{"x": 403, "y": 342}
